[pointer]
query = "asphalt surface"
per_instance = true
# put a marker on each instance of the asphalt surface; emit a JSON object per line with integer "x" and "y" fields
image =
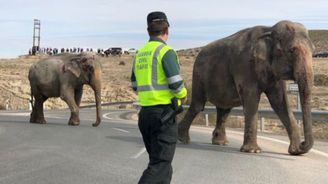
{"x": 113, "y": 153}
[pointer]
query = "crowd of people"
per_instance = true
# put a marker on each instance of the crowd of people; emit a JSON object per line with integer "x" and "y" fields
{"x": 54, "y": 51}
{"x": 102, "y": 52}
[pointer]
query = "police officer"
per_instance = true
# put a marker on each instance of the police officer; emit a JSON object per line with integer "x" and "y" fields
{"x": 156, "y": 78}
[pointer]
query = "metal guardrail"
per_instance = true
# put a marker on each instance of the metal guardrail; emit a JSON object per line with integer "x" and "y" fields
{"x": 109, "y": 104}
{"x": 267, "y": 113}
{"x": 237, "y": 111}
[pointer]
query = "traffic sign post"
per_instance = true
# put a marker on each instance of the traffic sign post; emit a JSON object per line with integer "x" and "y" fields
{"x": 293, "y": 87}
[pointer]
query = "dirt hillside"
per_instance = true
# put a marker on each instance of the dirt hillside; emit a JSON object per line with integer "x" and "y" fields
{"x": 15, "y": 90}
{"x": 319, "y": 39}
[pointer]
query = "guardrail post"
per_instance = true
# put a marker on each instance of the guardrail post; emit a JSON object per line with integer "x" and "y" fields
{"x": 262, "y": 122}
{"x": 7, "y": 104}
{"x": 206, "y": 119}
{"x": 294, "y": 89}
{"x": 30, "y": 104}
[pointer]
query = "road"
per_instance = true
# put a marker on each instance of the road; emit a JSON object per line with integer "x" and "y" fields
{"x": 113, "y": 153}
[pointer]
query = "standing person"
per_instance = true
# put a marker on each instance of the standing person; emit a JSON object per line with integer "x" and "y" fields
{"x": 156, "y": 78}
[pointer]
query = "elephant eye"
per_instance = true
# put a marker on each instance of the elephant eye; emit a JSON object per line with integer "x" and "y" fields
{"x": 292, "y": 50}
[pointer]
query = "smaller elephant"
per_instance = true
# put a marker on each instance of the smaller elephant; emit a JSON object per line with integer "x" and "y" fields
{"x": 64, "y": 76}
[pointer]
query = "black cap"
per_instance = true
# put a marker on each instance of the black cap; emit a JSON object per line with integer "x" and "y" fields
{"x": 156, "y": 16}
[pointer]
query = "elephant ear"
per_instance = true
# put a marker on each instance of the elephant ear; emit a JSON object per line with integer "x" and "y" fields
{"x": 73, "y": 68}
{"x": 87, "y": 63}
{"x": 261, "y": 48}
{"x": 261, "y": 55}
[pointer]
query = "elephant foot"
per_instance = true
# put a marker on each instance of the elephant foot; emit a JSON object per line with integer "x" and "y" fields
{"x": 219, "y": 142}
{"x": 38, "y": 121}
{"x": 74, "y": 122}
{"x": 32, "y": 120}
{"x": 295, "y": 150}
{"x": 296, "y": 147}
{"x": 96, "y": 124}
{"x": 33, "y": 117}
{"x": 219, "y": 138}
{"x": 250, "y": 148}
{"x": 183, "y": 136}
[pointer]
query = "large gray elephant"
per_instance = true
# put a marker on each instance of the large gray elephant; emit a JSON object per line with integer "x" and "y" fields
{"x": 236, "y": 70}
{"x": 64, "y": 76}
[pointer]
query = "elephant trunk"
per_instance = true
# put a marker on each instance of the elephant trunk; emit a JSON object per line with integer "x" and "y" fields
{"x": 96, "y": 86}
{"x": 304, "y": 77}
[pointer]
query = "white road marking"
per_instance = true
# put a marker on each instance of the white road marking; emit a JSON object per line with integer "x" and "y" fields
{"x": 15, "y": 114}
{"x": 319, "y": 153}
{"x": 207, "y": 130}
{"x": 137, "y": 155}
{"x": 283, "y": 142}
{"x": 26, "y": 114}
{"x": 55, "y": 117}
{"x": 121, "y": 130}
{"x": 106, "y": 115}
{"x": 143, "y": 150}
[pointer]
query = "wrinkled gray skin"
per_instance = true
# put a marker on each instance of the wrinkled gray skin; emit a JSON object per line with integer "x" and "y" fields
{"x": 236, "y": 70}
{"x": 64, "y": 76}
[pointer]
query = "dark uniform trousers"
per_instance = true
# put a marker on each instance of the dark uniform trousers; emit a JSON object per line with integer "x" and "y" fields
{"x": 160, "y": 142}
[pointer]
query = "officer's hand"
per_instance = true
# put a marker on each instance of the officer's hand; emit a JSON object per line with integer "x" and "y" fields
{"x": 184, "y": 100}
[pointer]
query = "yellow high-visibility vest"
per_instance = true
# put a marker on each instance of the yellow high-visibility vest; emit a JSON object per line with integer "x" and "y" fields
{"x": 151, "y": 82}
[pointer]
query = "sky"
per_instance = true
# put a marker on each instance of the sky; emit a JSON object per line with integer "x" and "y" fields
{"x": 122, "y": 23}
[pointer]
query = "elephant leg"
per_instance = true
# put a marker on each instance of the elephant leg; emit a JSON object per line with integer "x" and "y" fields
{"x": 78, "y": 96}
{"x": 219, "y": 134}
{"x": 184, "y": 125}
{"x": 278, "y": 99}
{"x": 197, "y": 105}
{"x": 69, "y": 97}
{"x": 250, "y": 98}
{"x": 34, "y": 110}
{"x": 33, "y": 115}
{"x": 37, "y": 115}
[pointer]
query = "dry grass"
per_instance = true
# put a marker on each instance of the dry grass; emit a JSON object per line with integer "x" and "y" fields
{"x": 15, "y": 90}
{"x": 14, "y": 85}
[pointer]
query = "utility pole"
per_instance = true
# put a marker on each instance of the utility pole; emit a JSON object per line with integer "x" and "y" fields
{"x": 36, "y": 36}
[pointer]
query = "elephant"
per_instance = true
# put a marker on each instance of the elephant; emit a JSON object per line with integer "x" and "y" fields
{"x": 236, "y": 70}
{"x": 63, "y": 76}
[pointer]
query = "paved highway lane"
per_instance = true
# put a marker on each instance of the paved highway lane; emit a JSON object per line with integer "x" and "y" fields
{"x": 113, "y": 153}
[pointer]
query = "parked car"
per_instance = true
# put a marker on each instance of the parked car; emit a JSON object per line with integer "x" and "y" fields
{"x": 132, "y": 51}
{"x": 113, "y": 51}
{"x": 116, "y": 51}
{"x": 107, "y": 52}
{"x": 321, "y": 54}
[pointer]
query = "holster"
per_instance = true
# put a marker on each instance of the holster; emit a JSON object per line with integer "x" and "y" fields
{"x": 173, "y": 110}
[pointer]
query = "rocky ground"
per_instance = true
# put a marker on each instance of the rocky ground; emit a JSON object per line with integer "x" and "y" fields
{"x": 15, "y": 90}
